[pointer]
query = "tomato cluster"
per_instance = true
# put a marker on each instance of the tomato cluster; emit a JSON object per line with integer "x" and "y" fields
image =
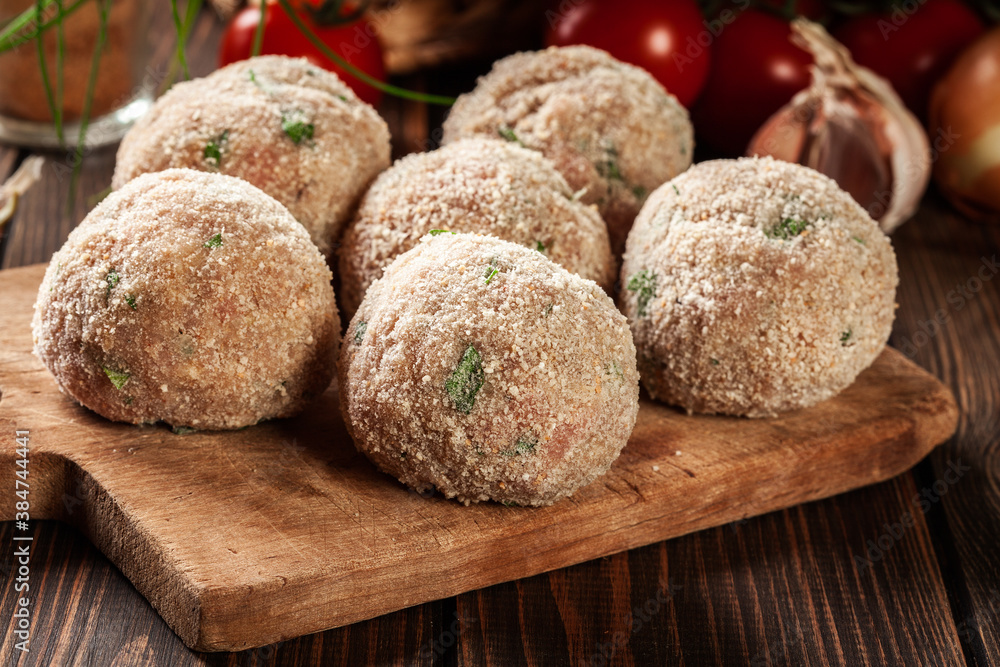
{"x": 733, "y": 67}
{"x": 737, "y": 66}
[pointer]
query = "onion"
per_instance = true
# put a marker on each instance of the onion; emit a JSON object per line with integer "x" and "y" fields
{"x": 965, "y": 119}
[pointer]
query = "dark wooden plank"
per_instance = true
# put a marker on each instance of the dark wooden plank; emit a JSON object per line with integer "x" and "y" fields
{"x": 85, "y": 612}
{"x": 780, "y": 589}
{"x": 82, "y": 610}
{"x": 949, "y": 322}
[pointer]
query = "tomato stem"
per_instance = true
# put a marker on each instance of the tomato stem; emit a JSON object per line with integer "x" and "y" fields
{"x": 331, "y": 12}
{"x": 363, "y": 76}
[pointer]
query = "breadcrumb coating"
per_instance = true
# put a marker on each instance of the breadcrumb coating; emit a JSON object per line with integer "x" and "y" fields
{"x": 610, "y": 128}
{"x": 294, "y": 130}
{"x": 754, "y": 287}
{"x": 191, "y": 298}
{"x": 479, "y": 185}
{"x": 478, "y": 367}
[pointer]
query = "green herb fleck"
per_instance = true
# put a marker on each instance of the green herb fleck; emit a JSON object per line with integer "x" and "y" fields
{"x": 183, "y": 430}
{"x": 118, "y": 378}
{"x": 614, "y": 370}
{"x": 491, "y": 271}
{"x": 129, "y": 399}
{"x": 845, "y": 337}
{"x": 466, "y": 381}
{"x": 859, "y": 239}
{"x": 526, "y": 444}
{"x": 438, "y": 232}
{"x": 359, "y": 332}
{"x": 509, "y": 503}
{"x": 638, "y": 191}
{"x": 548, "y": 310}
{"x": 676, "y": 191}
{"x": 298, "y": 130}
{"x": 509, "y": 135}
{"x": 608, "y": 168}
{"x": 214, "y": 149}
{"x": 112, "y": 280}
{"x": 788, "y": 228}
{"x": 343, "y": 98}
{"x": 130, "y": 300}
{"x": 214, "y": 242}
{"x": 539, "y": 246}
{"x": 644, "y": 283}
{"x": 714, "y": 362}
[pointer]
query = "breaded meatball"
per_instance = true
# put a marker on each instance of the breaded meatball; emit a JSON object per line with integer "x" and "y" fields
{"x": 473, "y": 185}
{"x": 292, "y": 129}
{"x": 190, "y": 298}
{"x": 754, "y": 286}
{"x": 479, "y": 367}
{"x": 609, "y": 128}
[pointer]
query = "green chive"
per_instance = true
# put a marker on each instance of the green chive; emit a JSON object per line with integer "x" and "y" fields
{"x": 787, "y": 229}
{"x": 118, "y": 378}
{"x": 509, "y": 135}
{"x": 644, "y": 283}
{"x": 298, "y": 130}
{"x": 466, "y": 381}
{"x": 214, "y": 148}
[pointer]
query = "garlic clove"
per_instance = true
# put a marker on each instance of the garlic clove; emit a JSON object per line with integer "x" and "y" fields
{"x": 852, "y": 126}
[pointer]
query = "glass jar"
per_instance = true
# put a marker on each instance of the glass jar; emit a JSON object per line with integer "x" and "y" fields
{"x": 122, "y": 90}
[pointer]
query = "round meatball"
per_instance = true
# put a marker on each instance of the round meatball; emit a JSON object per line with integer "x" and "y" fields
{"x": 474, "y": 185}
{"x": 611, "y": 129}
{"x": 481, "y": 368}
{"x": 190, "y": 298}
{"x": 292, "y": 129}
{"x": 754, "y": 286}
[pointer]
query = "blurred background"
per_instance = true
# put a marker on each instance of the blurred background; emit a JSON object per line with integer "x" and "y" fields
{"x": 74, "y": 74}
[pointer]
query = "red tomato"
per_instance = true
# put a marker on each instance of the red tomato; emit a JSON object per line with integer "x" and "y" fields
{"x": 912, "y": 50}
{"x": 667, "y": 38}
{"x": 755, "y": 71}
{"x": 281, "y": 37}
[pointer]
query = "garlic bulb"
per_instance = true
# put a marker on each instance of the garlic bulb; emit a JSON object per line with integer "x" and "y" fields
{"x": 852, "y": 126}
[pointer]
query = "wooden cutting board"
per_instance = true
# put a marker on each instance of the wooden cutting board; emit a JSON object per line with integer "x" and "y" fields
{"x": 246, "y": 538}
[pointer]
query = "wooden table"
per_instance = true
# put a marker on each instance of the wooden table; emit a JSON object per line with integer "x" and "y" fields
{"x": 832, "y": 582}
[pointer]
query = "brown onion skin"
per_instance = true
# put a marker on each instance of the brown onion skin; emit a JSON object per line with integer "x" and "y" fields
{"x": 964, "y": 107}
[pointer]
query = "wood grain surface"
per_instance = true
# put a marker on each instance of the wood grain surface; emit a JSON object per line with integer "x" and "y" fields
{"x": 241, "y": 539}
{"x": 779, "y": 589}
